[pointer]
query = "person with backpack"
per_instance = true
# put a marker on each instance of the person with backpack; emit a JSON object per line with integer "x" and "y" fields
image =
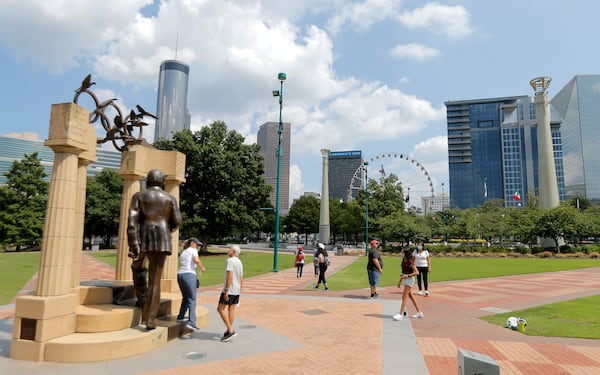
{"x": 299, "y": 262}
{"x": 323, "y": 259}
{"x": 421, "y": 256}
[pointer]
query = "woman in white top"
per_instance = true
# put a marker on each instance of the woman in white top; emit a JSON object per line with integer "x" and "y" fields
{"x": 424, "y": 266}
{"x": 187, "y": 280}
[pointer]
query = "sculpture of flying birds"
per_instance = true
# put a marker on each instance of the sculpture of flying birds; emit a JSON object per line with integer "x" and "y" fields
{"x": 144, "y": 113}
{"x": 86, "y": 83}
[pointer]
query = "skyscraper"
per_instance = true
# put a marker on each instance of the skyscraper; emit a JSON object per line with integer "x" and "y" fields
{"x": 342, "y": 166}
{"x": 171, "y": 107}
{"x": 579, "y": 105}
{"x": 268, "y": 140}
{"x": 492, "y": 150}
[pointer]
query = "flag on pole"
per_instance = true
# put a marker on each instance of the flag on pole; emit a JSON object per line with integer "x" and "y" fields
{"x": 484, "y": 189}
{"x": 517, "y": 196}
{"x": 382, "y": 171}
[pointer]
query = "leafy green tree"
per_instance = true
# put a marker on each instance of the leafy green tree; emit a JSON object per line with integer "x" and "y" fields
{"x": 224, "y": 189}
{"x": 23, "y": 202}
{"x": 353, "y": 220}
{"x": 304, "y": 216}
{"x": 404, "y": 227}
{"x": 557, "y": 223}
{"x": 103, "y": 205}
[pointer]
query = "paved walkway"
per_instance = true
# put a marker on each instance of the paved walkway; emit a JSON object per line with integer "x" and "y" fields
{"x": 284, "y": 325}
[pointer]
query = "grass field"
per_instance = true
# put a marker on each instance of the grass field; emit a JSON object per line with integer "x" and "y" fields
{"x": 575, "y": 318}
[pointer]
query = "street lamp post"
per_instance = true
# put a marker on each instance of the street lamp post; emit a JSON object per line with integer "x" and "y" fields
{"x": 281, "y": 77}
{"x": 365, "y": 165}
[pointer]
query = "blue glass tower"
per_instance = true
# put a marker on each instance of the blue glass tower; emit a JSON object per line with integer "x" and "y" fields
{"x": 492, "y": 151}
{"x": 579, "y": 105}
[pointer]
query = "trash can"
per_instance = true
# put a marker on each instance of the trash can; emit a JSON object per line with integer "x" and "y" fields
{"x": 339, "y": 251}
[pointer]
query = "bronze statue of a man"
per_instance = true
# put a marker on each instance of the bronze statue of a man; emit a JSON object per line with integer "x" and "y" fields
{"x": 153, "y": 215}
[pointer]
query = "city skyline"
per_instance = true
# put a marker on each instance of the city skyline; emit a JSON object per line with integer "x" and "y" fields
{"x": 369, "y": 75}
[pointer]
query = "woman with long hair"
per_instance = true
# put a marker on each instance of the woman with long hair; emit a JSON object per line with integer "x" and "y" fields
{"x": 409, "y": 271}
{"x": 323, "y": 257}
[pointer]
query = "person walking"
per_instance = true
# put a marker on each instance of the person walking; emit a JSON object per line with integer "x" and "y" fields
{"x": 323, "y": 259}
{"x": 188, "y": 282}
{"x": 409, "y": 271}
{"x": 232, "y": 286}
{"x": 374, "y": 268}
{"x": 423, "y": 264}
{"x": 299, "y": 262}
{"x": 316, "y": 261}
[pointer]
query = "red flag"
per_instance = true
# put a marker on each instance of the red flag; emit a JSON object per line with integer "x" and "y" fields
{"x": 517, "y": 196}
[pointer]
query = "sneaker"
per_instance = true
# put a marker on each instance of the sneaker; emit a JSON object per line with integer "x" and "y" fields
{"x": 398, "y": 317}
{"x": 326, "y": 289}
{"x": 193, "y": 327}
{"x": 375, "y": 296}
{"x": 182, "y": 320}
{"x": 316, "y": 286}
{"x": 418, "y": 315}
{"x": 426, "y": 293}
{"x": 420, "y": 293}
{"x": 228, "y": 336}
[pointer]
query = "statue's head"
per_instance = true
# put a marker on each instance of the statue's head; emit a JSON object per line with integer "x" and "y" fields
{"x": 155, "y": 178}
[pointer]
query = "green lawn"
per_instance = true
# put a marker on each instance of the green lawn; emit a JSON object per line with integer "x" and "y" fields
{"x": 575, "y": 318}
{"x": 15, "y": 271}
{"x": 445, "y": 269}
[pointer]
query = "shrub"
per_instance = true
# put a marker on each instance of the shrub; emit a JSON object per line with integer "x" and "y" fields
{"x": 593, "y": 255}
{"x": 545, "y": 254}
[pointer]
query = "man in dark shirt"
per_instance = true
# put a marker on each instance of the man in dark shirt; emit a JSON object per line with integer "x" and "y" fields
{"x": 374, "y": 268}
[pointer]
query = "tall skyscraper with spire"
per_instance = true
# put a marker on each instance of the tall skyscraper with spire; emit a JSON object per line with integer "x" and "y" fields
{"x": 171, "y": 107}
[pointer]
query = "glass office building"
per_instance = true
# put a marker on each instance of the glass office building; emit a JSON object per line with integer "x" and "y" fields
{"x": 492, "y": 150}
{"x": 342, "y": 167}
{"x": 579, "y": 105}
{"x": 268, "y": 140}
{"x": 14, "y": 148}
{"x": 171, "y": 107}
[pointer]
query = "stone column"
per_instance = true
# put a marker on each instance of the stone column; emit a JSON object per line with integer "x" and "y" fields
{"x": 50, "y": 313}
{"x": 324, "y": 228}
{"x": 79, "y": 221}
{"x": 548, "y": 186}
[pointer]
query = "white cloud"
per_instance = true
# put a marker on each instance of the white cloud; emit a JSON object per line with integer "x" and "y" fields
{"x": 296, "y": 183}
{"x": 362, "y": 15}
{"x": 234, "y": 50}
{"x": 452, "y": 21}
{"x": 414, "y": 51}
{"x": 433, "y": 153}
{"x": 61, "y": 34}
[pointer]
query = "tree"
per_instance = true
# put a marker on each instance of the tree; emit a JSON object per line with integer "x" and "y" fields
{"x": 23, "y": 202}
{"x": 304, "y": 216}
{"x": 103, "y": 204}
{"x": 557, "y": 223}
{"x": 224, "y": 188}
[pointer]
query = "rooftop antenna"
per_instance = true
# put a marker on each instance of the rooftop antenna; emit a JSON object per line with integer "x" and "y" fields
{"x": 176, "y": 44}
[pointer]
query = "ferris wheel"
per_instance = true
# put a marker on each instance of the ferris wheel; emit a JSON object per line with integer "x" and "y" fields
{"x": 412, "y": 175}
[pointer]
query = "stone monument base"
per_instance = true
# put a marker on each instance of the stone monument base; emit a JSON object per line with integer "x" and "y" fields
{"x": 107, "y": 326}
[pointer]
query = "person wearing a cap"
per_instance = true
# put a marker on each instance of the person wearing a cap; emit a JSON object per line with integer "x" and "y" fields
{"x": 374, "y": 268}
{"x": 322, "y": 256}
{"x": 232, "y": 286}
{"x": 187, "y": 280}
{"x": 299, "y": 262}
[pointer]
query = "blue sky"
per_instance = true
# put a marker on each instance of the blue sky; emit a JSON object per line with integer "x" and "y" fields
{"x": 368, "y": 75}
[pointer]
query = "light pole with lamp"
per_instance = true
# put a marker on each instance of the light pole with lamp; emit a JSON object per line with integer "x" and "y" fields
{"x": 365, "y": 165}
{"x": 281, "y": 77}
